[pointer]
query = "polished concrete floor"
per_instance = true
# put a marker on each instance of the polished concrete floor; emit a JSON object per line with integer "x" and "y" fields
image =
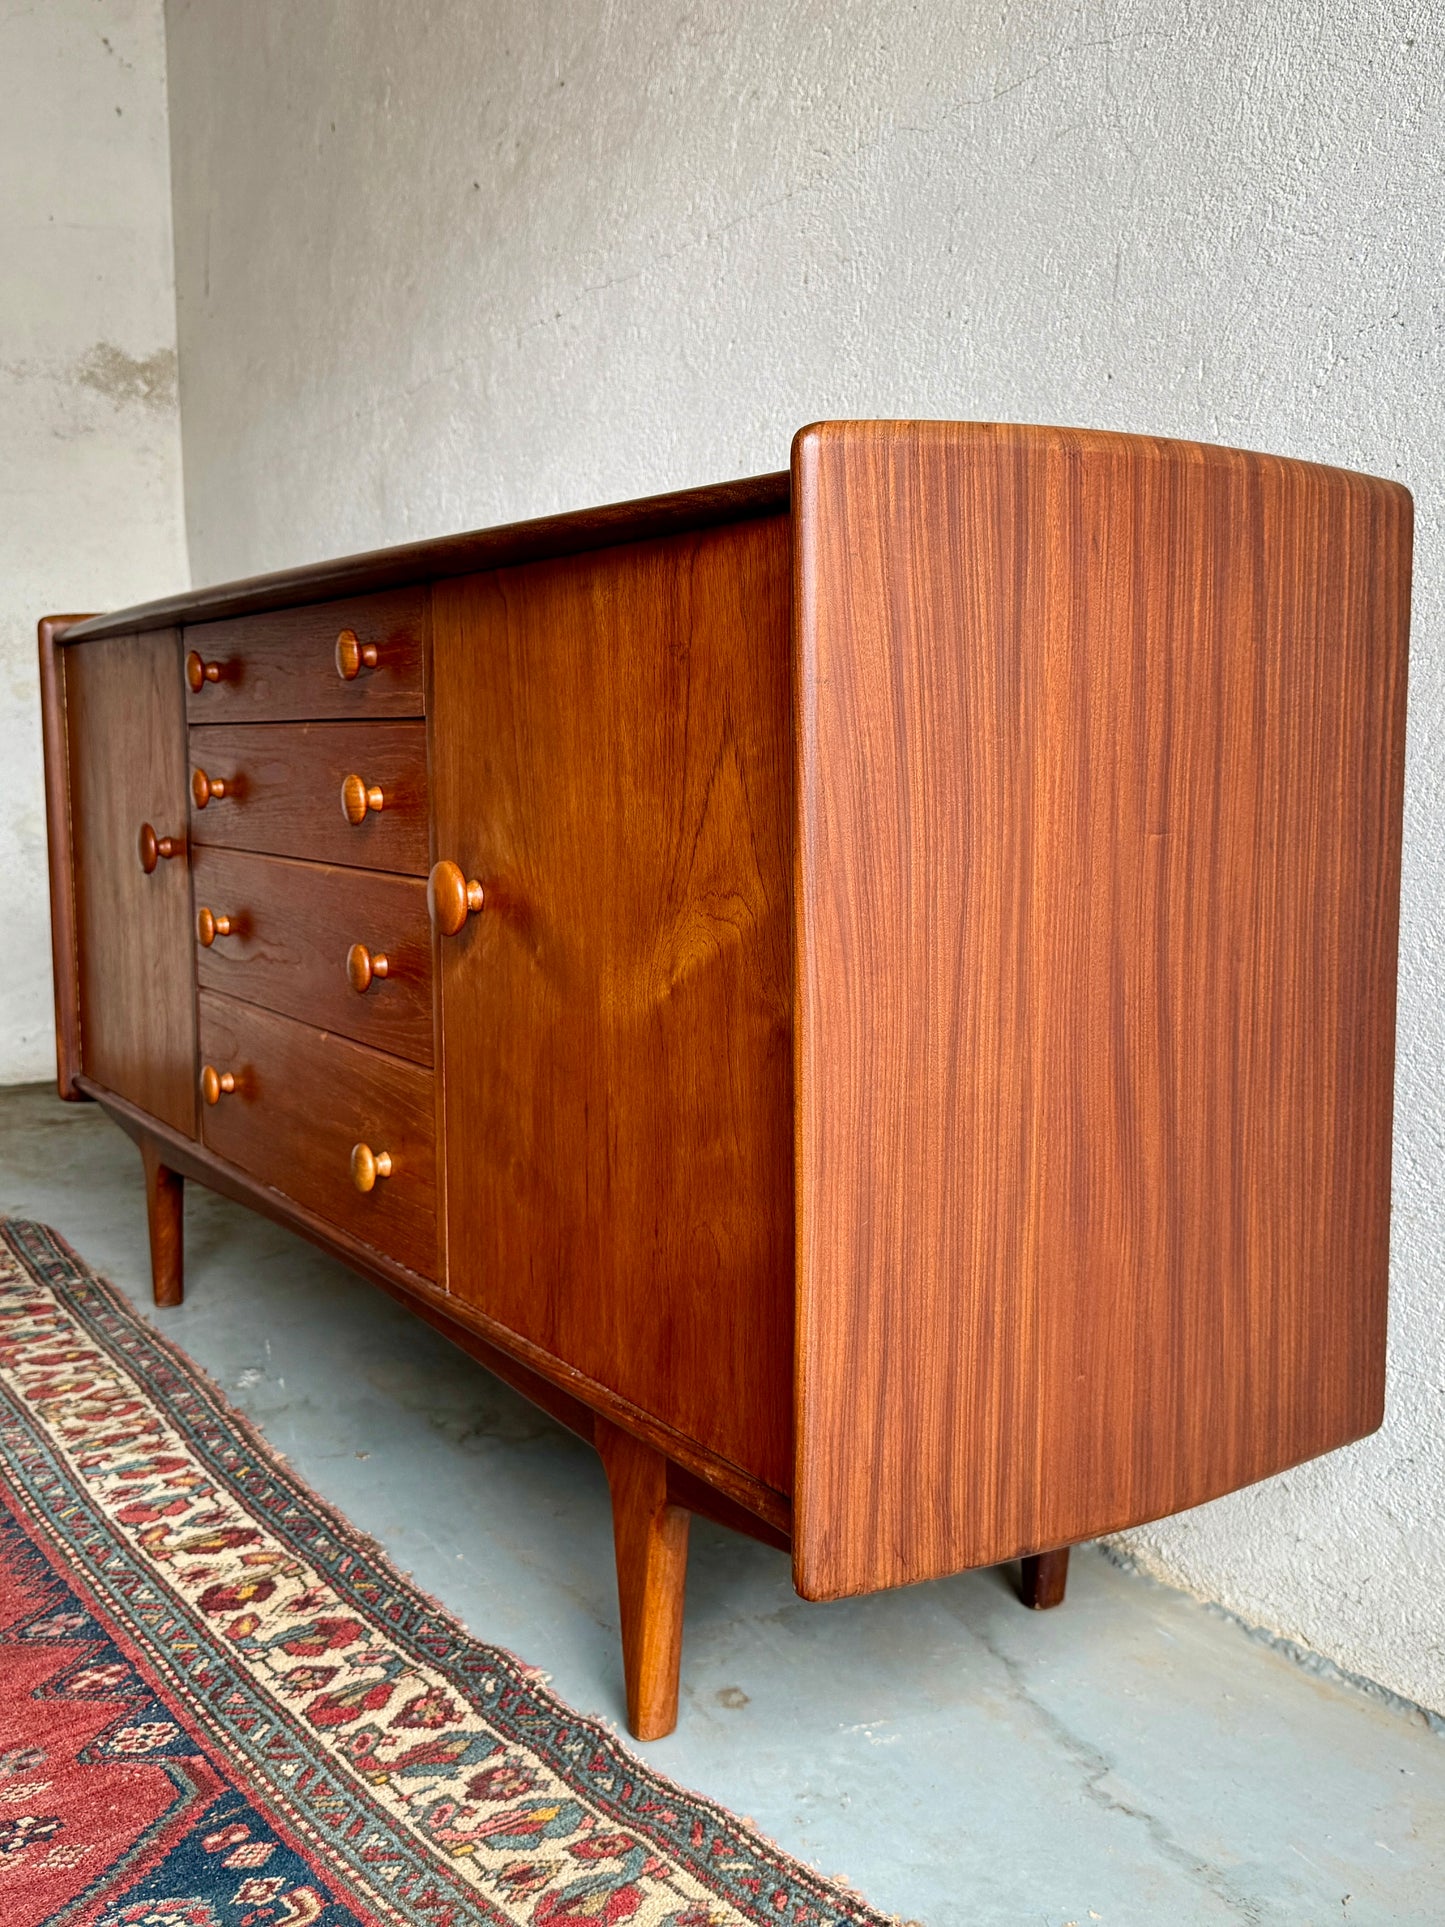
{"x": 1132, "y": 1759}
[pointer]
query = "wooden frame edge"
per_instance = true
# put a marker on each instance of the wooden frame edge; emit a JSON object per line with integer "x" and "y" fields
{"x": 64, "y": 958}
{"x": 802, "y": 475}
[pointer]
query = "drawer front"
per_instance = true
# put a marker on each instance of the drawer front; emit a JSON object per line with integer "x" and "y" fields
{"x": 365, "y": 657}
{"x": 302, "y": 1101}
{"x": 282, "y": 791}
{"x": 346, "y": 950}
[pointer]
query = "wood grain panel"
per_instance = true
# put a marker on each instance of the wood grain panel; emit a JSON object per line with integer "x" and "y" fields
{"x": 610, "y": 738}
{"x": 291, "y": 927}
{"x": 284, "y": 783}
{"x": 126, "y": 754}
{"x": 281, "y": 666}
{"x": 303, "y": 1098}
{"x": 1100, "y": 768}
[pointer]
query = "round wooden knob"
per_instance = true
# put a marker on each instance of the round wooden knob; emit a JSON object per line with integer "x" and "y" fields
{"x": 204, "y": 787}
{"x": 368, "y": 1165}
{"x": 153, "y": 847}
{"x": 451, "y": 897}
{"x": 216, "y": 1084}
{"x": 358, "y": 797}
{"x": 209, "y": 926}
{"x": 362, "y": 965}
{"x": 353, "y": 656}
{"x": 199, "y": 673}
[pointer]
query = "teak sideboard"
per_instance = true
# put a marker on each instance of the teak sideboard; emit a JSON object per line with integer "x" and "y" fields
{"x": 868, "y": 992}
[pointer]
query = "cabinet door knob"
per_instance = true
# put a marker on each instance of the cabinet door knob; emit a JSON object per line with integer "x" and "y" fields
{"x": 204, "y": 787}
{"x": 368, "y": 1165}
{"x": 352, "y": 656}
{"x": 199, "y": 673}
{"x": 216, "y": 1084}
{"x": 153, "y": 847}
{"x": 209, "y": 926}
{"x": 358, "y": 797}
{"x": 451, "y": 897}
{"x": 363, "y": 964}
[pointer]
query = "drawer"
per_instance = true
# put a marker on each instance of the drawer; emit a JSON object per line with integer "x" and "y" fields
{"x": 298, "y": 664}
{"x": 282, "y": 787}
{"x": 301, "y": 1101}
{"x": 291, "y": 936}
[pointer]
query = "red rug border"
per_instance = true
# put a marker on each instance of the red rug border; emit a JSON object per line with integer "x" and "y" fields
{"x": 838, "y": 1904}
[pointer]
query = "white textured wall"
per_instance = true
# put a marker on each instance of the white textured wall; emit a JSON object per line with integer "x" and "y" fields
{"x": 90, "y": 449}
{"x": 441, "y": 264}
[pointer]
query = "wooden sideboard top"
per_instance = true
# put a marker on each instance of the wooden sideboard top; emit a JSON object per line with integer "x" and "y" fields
{"x": 453, "y": 555}
{"x": 579, "y": 530}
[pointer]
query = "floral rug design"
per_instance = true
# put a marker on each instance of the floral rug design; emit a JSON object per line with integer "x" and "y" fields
{"x": 220, "y": 1706}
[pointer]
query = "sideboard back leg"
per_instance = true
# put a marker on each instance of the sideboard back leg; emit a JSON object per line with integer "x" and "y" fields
{"x": 1044, "y": 1577}
{"x": 164, "y": 1189}
{"x": 650, "y": 1535}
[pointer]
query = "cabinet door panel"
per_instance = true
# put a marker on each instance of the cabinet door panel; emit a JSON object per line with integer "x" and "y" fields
{"x": 126, "y": 736}
{"x": 611, "y": 760}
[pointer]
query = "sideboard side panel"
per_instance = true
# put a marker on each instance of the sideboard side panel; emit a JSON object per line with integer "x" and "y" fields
{"x": 1100, "y": 776}
{"x": 611, "y": 760}
{"x": 126, "y": 742}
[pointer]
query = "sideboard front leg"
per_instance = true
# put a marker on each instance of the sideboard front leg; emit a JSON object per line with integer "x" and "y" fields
{"x": 164, "y": 1189}
{"x": 650, "y": 1536}
{"x": 1044, "y": 1577}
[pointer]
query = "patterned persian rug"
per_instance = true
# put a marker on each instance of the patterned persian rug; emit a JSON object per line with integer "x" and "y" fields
{"x": 221, "y": 1707}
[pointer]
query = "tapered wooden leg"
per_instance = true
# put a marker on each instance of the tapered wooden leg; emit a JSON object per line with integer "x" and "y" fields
{"x": 1044, "y": 1577}
{"x": 651, "y": 1542}
{"x": 164, "y": 1189}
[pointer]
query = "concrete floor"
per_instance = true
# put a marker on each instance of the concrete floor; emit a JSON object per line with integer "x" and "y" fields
{"x": 1132, "y": 1759}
